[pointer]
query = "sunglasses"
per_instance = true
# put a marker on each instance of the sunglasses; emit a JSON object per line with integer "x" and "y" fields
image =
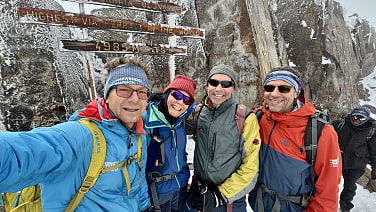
{"x": 178, "y": 96}
{"x": 360, "y": 118}
{"x": 224, "y": 84}
{"x": 281, "y": 88}
{"x": 126, "y": 92}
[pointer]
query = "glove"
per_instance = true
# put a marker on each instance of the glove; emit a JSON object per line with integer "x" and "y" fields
{"x": 373, "y": 174}
{"x": 150, "y": 208}
{"x": 206, "y": 198}
{"x": 195, "y": 197}
{"x": 213, "y": 198}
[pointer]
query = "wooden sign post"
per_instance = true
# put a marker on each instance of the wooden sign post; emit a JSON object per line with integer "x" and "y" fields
{"x": 81, "y": 20}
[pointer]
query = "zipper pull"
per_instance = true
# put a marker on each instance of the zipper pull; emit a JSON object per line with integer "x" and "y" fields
{"x": 156, "y": 163}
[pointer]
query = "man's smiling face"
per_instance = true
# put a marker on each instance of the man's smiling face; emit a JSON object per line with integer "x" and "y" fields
{"x": 127, "y": 110}
{"x": 218, "y": 94}
{"x": 277, "y": 101}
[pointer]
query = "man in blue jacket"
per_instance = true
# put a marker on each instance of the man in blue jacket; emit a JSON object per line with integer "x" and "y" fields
{"x": 58, "y": 157}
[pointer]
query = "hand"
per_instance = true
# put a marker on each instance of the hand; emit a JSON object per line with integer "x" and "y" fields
{"x": 213, "y": 198}
{"x": 373, "y": 174}
{"x": 196, "y": 198}
{"x": 206, "y": 198}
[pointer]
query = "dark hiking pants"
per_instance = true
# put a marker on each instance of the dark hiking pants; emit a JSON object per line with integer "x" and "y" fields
{"x": 350, "y": 176}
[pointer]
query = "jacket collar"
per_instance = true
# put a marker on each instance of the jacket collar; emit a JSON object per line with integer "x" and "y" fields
{"x": 98, "y": 110}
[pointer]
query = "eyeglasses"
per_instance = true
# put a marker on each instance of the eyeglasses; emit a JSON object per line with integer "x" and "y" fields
{"x": 178, "y": 96}
{"x": 281, "y": 88}
{"x": 126, "y": 92}
{"x": 360, "y": 118}
{"x": 225, "y": 83}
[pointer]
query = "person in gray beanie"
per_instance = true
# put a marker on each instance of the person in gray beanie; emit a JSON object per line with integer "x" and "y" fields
{"x": 58, "y": 157}
{"x": 226, "y": 154}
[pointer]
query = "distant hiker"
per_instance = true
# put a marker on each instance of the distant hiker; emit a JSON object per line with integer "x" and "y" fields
{"x": 285, "y": 182}
{"x": 167, "y": 169}
{"x": 226, "y": 148}
{"x": 58, "y": 157}
{"x": 358, "y": 146}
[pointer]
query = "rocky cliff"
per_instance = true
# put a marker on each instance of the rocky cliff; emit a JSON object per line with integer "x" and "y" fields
{"x": 41, "y": 83}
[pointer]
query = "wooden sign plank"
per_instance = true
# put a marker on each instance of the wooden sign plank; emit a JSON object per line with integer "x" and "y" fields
{"x": 89, "y": 21}
{"x": 152, "y": 6}
{"x": 122, "y": 47}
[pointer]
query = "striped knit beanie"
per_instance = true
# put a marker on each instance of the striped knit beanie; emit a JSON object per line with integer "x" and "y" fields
{"x": 126, "y": 74}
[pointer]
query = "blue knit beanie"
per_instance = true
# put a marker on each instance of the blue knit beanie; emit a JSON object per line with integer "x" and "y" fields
{"x": 361, "y": 111}
{"x": 126, "y": 74}
{"x": 286, "y": 76}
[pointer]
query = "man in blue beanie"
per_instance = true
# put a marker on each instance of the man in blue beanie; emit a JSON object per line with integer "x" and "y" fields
{"x": 358, "y": 146}
{"x": 58, "y": 157}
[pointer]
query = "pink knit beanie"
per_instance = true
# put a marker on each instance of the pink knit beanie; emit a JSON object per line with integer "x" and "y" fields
{"x": 183, "y": 83}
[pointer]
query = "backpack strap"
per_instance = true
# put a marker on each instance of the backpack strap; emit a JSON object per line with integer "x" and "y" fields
{"x": 195, "y": 113}
{"x": 127, "y": 162}
{"x": 153, "y": 178}
{"x": 27, "y": 199}
{"x": 240, "y": 116}
{"x": 311, "y": 137}
{"x": 259, "y": 113}
{"x": 370, "y": 134}
{"x": 96, "y": 163}
{"x": 372, "y": 130}
{"x": 340, "y": 124}
{"x": 160, "y": 152}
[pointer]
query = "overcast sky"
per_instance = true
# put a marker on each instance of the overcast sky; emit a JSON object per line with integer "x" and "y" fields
{"x": 365, "y": 9}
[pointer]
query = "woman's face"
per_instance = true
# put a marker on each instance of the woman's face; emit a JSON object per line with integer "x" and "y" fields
{"x": 177, "y": 102}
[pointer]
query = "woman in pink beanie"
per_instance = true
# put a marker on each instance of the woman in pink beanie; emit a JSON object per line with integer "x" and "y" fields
{"x": 167, "y": 169}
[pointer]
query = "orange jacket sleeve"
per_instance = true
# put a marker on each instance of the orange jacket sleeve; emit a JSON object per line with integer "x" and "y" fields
{"x": 328, "y": 169}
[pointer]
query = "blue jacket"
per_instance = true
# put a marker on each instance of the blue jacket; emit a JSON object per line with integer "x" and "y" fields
{"x": 58, "y": 157}
{"x": 174, "y": 148}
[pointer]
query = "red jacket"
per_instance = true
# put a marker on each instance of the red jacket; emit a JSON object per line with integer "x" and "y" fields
{"x": 284, "y": 168}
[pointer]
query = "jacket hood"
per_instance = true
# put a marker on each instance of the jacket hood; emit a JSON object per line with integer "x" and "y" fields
{"x": 97, "y": 110}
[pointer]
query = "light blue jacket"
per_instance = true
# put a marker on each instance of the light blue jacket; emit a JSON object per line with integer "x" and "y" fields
{"x": 58, "y": 157}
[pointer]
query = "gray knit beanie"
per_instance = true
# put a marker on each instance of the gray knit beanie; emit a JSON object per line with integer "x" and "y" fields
{"x": 126, "y": 74}
{"x": 225, "y": 69}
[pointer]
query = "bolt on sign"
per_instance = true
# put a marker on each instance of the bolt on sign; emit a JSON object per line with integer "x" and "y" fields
{"x": 90, "y": 21}
{"x": 122, "y": 47}
{"x": 156, "y": 6}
